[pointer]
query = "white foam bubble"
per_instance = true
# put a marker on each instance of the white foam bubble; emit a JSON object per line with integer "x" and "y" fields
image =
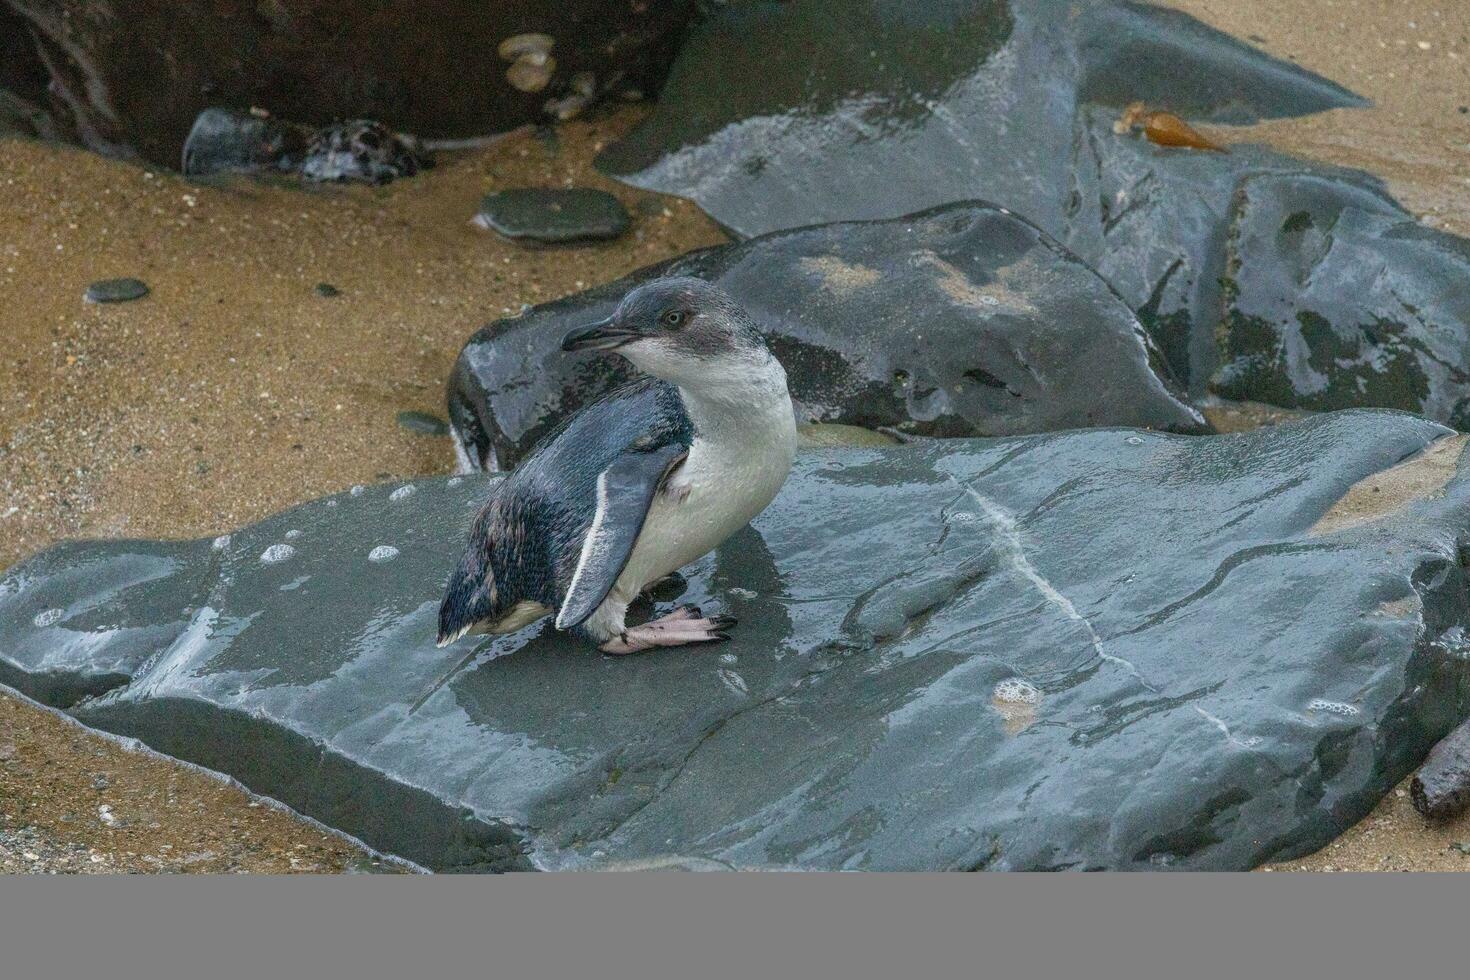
{"x": 331, "y": 503}
{"x": 454, "y": 481}
{"x": 383, "y": 552}
{"x": 292, "y": 534}
{"x": 1134, "y": 440}
{"x": 358, "y": 490}
{"x": 1013, "y": 690}
{"x": 220, "y": 543}
{"x": 1332, "y": 707}
{"x": 276, "y": 553}
{"x": 402, "y": 492}
{"x": 729, "y": 659}
{"x": 48, "y": 617}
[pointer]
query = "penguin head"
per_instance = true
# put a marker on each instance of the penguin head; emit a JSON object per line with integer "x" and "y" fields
{"x": 679, "y": 329}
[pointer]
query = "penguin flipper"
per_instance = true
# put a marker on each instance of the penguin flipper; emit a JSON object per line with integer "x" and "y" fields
{"x": 625, "y": 491}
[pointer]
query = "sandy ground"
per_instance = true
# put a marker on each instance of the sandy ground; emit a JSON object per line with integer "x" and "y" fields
{"x": 1411, "y": 57}
{"x": 234, "y": 390}
{"x": 73, "y": 802}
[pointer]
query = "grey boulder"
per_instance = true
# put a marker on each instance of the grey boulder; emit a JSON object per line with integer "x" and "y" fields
{"x": 1098, "y": 649}
{"x": 963, "y": 320}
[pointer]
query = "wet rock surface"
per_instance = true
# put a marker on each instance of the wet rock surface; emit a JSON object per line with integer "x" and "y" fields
{"x": 132, "y": 77}
{"x": 964, "y": 320}
{"x": 1336, "y": 297}
{"x": 1262, "y": 277}
{"x": 896, "y": 106}
{"x": 969, "y": 654}
{"x": 553, "y": 216}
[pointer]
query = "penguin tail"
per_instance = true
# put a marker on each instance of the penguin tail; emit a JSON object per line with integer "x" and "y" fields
{"x": 470, "y": 598}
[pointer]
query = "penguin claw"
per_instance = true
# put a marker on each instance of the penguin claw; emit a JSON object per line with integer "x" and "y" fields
{"x": 681, "y": 627}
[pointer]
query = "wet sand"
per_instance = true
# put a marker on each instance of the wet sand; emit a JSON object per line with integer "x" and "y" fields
{"x": 234, "y": 390}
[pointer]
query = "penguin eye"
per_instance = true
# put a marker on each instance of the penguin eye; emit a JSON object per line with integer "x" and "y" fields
{"x": 673, "y": 319}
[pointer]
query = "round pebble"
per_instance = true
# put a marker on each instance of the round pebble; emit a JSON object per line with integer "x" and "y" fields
{"x": 531, "y": 72}
{"x": 553, "y": 215}
{"x": 423, "y": 423}
{"x": 115, "y": 291}
{"x": 518, "y": 45}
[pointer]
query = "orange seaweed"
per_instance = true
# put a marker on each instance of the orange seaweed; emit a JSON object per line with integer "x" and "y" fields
{"x": 1164, "y": 128}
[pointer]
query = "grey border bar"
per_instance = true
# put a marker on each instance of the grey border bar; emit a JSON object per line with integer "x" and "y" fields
{"x": 734, "y": 925}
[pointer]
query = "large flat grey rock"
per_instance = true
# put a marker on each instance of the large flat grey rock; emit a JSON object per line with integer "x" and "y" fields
{"x": 1098, "y": 649}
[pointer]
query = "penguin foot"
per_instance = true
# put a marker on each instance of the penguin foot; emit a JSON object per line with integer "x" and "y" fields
{"x": 681, "y": 627}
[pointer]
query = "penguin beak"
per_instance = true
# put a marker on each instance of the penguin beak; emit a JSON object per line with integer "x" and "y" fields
{"x": 602, "y": 335}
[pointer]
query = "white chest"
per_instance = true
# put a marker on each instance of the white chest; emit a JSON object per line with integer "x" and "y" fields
{"x": 735, "y": 468}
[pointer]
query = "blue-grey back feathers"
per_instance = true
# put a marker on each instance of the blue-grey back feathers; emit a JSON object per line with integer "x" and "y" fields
{"x": 527, "y": 541}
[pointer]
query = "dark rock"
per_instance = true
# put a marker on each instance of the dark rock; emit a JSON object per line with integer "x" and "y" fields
{"x": 428, "y": 68}
{"x": 115, "y": 291}
{"x": 423, "y": 423}
{"x": 1441, "y": 788}
{"x": 1098, "y": 649}
{"x": 960, "y": 321}
{"x": 1336, "y": 297}
{"x": 327, "y": 291}
{"x": 1017, "y": 104}
{"x": 553, "y": 216}
{"x": 227, "y": 141}
{"x": 21, "y": 117}
{"x": 24, "y": 101}
{"x": 898, "y": 105}
{"x": 362, "y": 150}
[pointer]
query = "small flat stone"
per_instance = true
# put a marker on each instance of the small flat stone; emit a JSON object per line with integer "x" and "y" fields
{"x": 423, "y": 423}
{"x": 115, "y": 290}
{"x": 550, "y": 216}
{"x": 327, "y": 290}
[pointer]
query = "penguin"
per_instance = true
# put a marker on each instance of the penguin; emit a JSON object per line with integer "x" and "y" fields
{"x": 637, "y": 484}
